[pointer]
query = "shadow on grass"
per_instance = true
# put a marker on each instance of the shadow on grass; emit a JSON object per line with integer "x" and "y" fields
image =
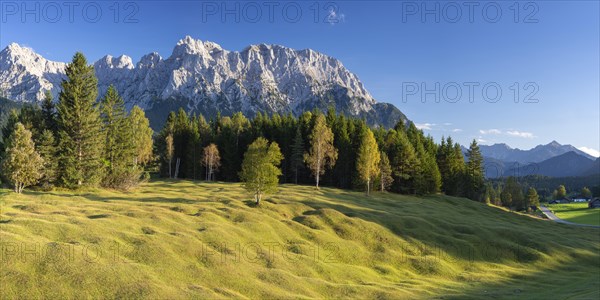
{"x": 497, "y": 237}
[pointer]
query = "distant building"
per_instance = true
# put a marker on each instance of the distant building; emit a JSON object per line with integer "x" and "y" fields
{"x": 560, "y": 201}
{"x": 594, "y": 203}
{"x": 579, "y": 200}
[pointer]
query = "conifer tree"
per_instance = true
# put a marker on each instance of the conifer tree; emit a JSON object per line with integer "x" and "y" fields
{"x": 48, "y": 151}
{"x": 119, "y": 148}
{"x": 80, "y": 127}
{"x": 260, "y": 172}
{"x": 8, "y": 129}
{"x": 21, "y": 165}
{"x": 405, "y": 163}
{"x": 474, "y": 172}
{"x": 49, "y": 113}
{"x": 367, "y": 163}
{"x": 297, "y": 159}
{"x": 322, "y": 152}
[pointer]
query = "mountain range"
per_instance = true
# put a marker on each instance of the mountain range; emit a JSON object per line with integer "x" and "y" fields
{"x": 552, "y": 159}
{"x": 204, "y": 78}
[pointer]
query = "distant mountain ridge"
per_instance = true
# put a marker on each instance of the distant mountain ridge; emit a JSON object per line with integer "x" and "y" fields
{"x": 564, "y": 165}
{"x": 537, "y": 154}
{"x": 552, "y": 159}
{"x": 204, "y": 78}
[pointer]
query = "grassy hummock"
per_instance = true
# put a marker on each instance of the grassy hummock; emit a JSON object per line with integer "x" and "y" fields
{"x": 184, "y": 239}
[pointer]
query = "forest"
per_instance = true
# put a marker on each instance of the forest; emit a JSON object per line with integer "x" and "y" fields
{"x": 79, "y": 141}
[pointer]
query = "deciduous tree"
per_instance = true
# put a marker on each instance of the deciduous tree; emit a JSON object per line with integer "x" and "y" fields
{"x": 22, "y": 165}
{"x": 260, "y": 168}
{"x": 211, "y": 161}
{"x": 367, "y": 164}
{"x": 322, "y": 153}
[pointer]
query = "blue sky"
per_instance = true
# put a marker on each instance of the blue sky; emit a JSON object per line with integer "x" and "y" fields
{"x": 552, "y": 51}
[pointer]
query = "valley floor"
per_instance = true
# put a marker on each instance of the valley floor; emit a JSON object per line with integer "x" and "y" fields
{"x": 183, "y": 239}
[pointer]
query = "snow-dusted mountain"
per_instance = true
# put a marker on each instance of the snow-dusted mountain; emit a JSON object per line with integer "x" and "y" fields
{"x": 204, "y": 78}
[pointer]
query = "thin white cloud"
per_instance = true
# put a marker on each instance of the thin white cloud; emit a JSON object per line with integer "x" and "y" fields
{"x": 490, "y": 131}
{"x": 334, "y": 17}
{"x": 590, "y": 151}
{"x": 480, "y": 140}
{"x": 522, "y": 134}
{"x": 513, "y": 133}
{"x": 457, "y": 130}
{"x": 424, "y": 126}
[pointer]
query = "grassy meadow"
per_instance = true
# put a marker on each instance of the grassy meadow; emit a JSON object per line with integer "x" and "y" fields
{"x": 184, "y": 239}
{"x": 576, "y": 213}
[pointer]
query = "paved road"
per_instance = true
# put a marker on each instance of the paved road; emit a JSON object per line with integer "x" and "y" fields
{"x": 554, "y": 218}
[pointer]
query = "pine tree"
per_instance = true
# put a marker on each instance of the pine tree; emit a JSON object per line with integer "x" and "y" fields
{"x": 49, "y": 113}
{"x": 22, "y": 164}
{"x": 80, "y": 128}
{"x": 367, "y": 163}
{"x": 385, "y": 172}
{"x": 8, "y": 129}
{"x": 474, "y": 172}
{"x": 260, "y": 172}
{"x": 322, "y": 152}
{"x": 119, "y": 148}
{"x": 297, "y": 159}
{"x": 48, "y": 151}
{"x": 405, "y": 163}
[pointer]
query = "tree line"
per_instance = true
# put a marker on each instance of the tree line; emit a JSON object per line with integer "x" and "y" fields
{"x": 321, "y": 149}
{"x": 84, "y": 142}
{"x": 78, "y": 141}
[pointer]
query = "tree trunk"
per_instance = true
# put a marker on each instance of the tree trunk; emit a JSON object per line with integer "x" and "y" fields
{"x": 317, "y": 181}
{"x": 257, "y": 198}
{"x": 368, "y": 186}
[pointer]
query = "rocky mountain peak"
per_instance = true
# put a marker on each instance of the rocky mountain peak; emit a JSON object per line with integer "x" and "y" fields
{"x": 203, "y": 77}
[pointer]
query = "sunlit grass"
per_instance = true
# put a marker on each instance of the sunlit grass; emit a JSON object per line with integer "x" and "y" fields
{"x": 576, "y": 213}
{"x": 207, "y": 240}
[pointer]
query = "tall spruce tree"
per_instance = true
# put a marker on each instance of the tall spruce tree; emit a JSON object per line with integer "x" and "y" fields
{"x": 297, "y": 159}
{"x": 80, "y": 127}
{"x": 119, "y": 148}
{"x": 49, "y": 113}
{"x": 48, "y": 151}
{"x": 474, "y": 172}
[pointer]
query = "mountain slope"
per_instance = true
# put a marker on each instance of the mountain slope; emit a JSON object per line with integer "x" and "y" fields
{"x": 564, "y": 165}
{"x": 204, "y": 78}
{"x": 182, "y": 239}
